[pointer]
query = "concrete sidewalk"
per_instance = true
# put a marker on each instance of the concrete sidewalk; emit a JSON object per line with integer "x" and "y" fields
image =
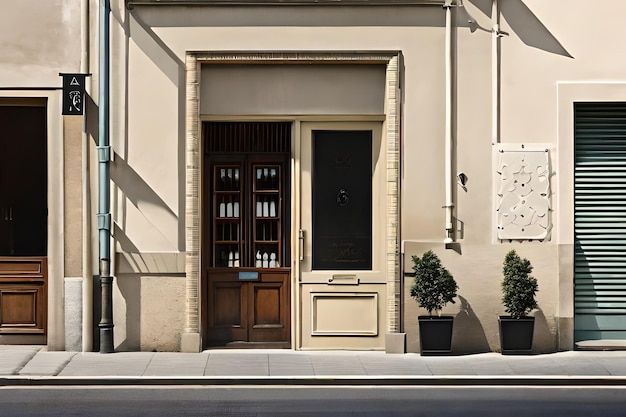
{"x": 33, "y": 365}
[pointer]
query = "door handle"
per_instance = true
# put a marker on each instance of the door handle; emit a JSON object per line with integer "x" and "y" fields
{"x": 301, "y": 239}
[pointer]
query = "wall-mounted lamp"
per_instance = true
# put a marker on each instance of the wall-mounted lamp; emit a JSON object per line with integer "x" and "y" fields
{"x": 462, "y": 180}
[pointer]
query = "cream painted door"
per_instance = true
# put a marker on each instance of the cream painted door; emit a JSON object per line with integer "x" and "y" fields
{"x": 342, "y": 268}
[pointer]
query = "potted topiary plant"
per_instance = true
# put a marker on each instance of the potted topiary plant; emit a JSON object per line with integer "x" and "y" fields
{"x": 518, "y": 296}
{"x": 434, "y": 287}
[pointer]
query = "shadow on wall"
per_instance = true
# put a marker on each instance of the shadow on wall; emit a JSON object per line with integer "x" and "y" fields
{"x": 143, "y": 196}
{"x": 92, "y": 115}
{"x": 525, "y": 24}
{"x": 468, "y": 335}
{"x": 130, "y": 289}
{"x": 286, "y": 16}
{"x": 174, "y": 68}
{"x": 520, "y": 18}
{"x": 97, "y": 309}
{"x": 544, "y": 335}
{"x": 124, "y": 339}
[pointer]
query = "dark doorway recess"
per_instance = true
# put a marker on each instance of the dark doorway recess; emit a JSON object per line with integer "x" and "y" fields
{"x": 23, "y": 181}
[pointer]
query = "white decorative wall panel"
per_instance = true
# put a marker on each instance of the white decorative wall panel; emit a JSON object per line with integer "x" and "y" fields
{"x": 523, "y": 192}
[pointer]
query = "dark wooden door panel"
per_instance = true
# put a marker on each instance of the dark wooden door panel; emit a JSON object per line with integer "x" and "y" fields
{"x": 268, "y": 311}
{"x": 19, "y": 307}
{"x": 23, "y": 294}
{"x": 228, "y": 297}
{"x": 227, "y": 302}
{"x": 265, "y": 305}
{"x": 248, "y": 311}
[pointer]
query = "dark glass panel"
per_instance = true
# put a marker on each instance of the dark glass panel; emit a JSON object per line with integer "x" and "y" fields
{"x": 342, "y": 200}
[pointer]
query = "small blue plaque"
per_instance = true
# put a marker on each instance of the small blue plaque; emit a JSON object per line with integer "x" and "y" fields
{"x": 248, "y": 275}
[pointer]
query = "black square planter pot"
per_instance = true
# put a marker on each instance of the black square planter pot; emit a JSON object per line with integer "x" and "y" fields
{"x": 435, "y": 334}
{"x": 516, "y": 335}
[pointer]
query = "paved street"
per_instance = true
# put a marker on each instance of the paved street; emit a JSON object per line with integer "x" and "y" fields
{"x": 304, "y": 401}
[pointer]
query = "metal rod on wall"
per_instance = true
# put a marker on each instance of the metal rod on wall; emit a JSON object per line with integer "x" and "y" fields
{"x": 449, "y": 139}
{"x": 104, "y": 215}
{"x": 495, "y": 72}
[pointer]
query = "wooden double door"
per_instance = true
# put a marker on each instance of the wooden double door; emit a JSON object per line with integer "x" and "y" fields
{"x": 246, "y": 250}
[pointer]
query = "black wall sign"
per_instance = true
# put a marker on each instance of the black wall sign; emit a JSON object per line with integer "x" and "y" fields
{"x": 73, "y": 94}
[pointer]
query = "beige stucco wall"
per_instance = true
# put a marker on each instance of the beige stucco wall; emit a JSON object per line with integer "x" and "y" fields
{"x": 147, "y": 312}
{"x": 149, "y": 301}
{"x": 37, "y": 41}
{"x": 530, "y": 107}
{"x": 478, "y": 271}
{"x": 149, "y": 46}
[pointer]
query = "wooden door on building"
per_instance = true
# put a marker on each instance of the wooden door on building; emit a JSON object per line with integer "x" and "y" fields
{"x": 246, "y": 254}
{"x": 23, "y": 217}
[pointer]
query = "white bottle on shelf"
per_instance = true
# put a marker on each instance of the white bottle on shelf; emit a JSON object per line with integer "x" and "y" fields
{"x": 236, "y": 260}
{"x": 230, "y": 259}
{"x": 265, "y": 260}
{"x": 259, "y": 208}
{"x": 266, "y": 209}
{"x": 273, "y": 178}
{"x": 259, "y": 262}
{"x": 272, "y": 208}
{"x": 229, "y": 209}
{"x": 222, "y": 209}
{"x": 236, "y": 209}
{"x": 272, "y": 260}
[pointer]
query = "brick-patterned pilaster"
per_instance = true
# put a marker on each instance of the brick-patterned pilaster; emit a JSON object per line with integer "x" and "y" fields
{"x": 192, "y": 198}
{"x": 392, "y": 102}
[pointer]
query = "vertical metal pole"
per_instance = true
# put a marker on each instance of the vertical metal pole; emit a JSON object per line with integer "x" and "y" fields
{"x": 495, "y": 73}
{"x": 104, "y": 215}
{"x": 87, "y": 336}
{"x": 449, "y": 62}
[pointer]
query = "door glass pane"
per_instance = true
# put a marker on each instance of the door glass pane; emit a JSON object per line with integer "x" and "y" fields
{"x": 342, "y": 200}
{"x": 267, "y": 210}
{"x": 227, "y": 215}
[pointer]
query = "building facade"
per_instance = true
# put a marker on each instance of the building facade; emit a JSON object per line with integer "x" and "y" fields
{"x": 275, "y": 165}
{"x": 41, "y": 187}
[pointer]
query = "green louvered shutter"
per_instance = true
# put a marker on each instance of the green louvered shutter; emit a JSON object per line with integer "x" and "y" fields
{"x": 600, "y": 221}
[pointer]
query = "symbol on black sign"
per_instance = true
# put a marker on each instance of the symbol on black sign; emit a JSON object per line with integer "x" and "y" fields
{"x": 75, "y": 97}
{"x": 343, "y": 160}
{"x": 342, "y": 197}
{"x": 74, "y": 81}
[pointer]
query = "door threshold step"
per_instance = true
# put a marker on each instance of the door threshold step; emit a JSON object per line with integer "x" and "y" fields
{"x": 252, "y": 345}
{"x": 607, "y": 344}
